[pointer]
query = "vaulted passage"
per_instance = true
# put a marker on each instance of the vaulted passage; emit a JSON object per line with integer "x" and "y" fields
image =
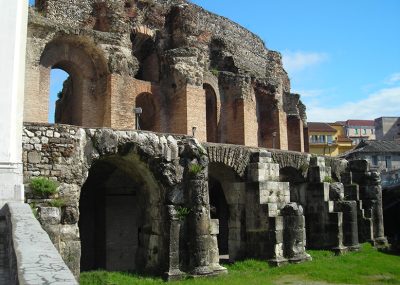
{"x": 119, "y": 218}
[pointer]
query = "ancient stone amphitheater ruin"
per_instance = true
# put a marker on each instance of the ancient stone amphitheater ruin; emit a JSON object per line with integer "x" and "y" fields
{"x": 159, "y": 200}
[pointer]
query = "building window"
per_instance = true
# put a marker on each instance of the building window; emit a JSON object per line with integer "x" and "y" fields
{"x": 365, "y": 131}
{"x": 356, "y": 131}
{"x": 330, "y": 139}
{"x": 374, "y": 160}
{"x": 372, "y": 131}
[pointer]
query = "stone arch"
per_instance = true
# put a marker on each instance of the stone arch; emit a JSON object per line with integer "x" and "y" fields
{"x": 85, "y": 103}
{"x": 120, "y": 216}
{"x": 149, "y": 118}
{"x": 234, "y": 157}
{"x": 292, "y": 159}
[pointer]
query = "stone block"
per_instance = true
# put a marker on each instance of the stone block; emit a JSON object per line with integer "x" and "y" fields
{"x": 317, "y": 161}
{"x": 359, "y": 165}
{"x": 352, "y": 192}
{"x": 261, "y": 156}
{"x": 49, "y": 215}
{"x": 214, "y": 227}
{"x": 336, "y": 191}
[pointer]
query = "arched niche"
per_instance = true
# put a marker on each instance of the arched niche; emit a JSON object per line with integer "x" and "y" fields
{"x": 85, "y": 95}
{"x": 211, "y": 113}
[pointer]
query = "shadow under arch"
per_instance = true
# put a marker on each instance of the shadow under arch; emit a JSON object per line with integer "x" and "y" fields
{"x": 84, "y": 102}
{"x": 227, "y": 192}
{"x": 120, "y": 217}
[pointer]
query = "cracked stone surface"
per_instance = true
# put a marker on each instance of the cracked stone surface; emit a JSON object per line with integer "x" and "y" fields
{"x": 38, "y": 261}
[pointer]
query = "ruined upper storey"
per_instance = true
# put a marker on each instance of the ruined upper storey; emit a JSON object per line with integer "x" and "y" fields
{"x": 231, "y": 47}
{"x": 185, "y": 67}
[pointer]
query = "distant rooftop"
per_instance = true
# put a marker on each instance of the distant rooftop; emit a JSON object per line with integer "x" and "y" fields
{"x": 360, "y": 123}
{"x": 320, "y": 127}
{"x": 377, "y": 146}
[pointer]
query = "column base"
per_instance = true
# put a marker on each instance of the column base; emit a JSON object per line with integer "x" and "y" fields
{"x": 380, "y": 242}
{"x": 301, "y": 258}
{"x": 174, "y": 275}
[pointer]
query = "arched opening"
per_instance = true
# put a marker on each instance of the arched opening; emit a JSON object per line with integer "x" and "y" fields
{"x": 83, "y": 98}
{"x": 120, "y": 218}
{"x": 147, "y": 120}
{"x": 145, "y": 50}
{"x": 211, "y": 113}
{"x": 226, "y": 205}
{"x": 59, "y": 83}
{"x": 297, "y": 183}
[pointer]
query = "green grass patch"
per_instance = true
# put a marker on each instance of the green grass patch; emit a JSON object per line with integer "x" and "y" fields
{"x": 58, "y": 203}
{"x": 368, "y": 266}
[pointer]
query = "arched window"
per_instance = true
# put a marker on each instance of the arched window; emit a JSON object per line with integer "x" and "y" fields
{"x": 82, "y": 100}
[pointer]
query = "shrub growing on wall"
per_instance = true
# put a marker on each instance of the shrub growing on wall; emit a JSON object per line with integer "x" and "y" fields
{"x": 43, "y": 187}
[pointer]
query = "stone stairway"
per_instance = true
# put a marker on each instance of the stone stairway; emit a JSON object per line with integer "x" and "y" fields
{"x": 4, "y": 270}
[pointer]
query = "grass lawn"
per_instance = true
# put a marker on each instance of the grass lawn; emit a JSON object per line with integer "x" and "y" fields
{"x": 365, "y": 267}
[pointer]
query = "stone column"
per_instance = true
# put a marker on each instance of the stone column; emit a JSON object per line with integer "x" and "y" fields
{"x": 199, "y": 225}
{"x": 13, "y": 21}
{"x": 174, "y": 272}
{"x": 371, "y": 196}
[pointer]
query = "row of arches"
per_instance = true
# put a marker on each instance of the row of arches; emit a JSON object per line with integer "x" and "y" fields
{"x": 78, "y": 75}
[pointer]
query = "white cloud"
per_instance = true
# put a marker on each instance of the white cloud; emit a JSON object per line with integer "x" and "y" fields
{"x": 297, "y": 61}
{"x": 393, "y": 79}
{"x": 384, "y": 102}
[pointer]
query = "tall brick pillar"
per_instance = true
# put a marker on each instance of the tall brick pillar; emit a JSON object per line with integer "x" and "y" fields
{"x": 188, "y": 110}
{"x": 295, "y": 133}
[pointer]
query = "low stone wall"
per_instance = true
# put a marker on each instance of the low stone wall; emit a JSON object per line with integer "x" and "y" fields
{"x": 32, "y": 256}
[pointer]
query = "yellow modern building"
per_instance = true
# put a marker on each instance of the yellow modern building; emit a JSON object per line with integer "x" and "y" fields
{"x": 328, "y": 139}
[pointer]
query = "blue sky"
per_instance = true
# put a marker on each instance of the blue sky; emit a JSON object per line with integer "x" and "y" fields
{"x": 343, "y": 57}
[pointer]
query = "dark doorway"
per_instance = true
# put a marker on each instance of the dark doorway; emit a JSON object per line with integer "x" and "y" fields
{"x": 119, "y": 205}
{"x": 147, "y": 119}
{"x": 220, "y": 211}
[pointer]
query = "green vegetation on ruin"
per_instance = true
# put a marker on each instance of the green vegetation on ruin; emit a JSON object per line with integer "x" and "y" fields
{"x": 368, "y": 266}
{"x": 43, "y": 187}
